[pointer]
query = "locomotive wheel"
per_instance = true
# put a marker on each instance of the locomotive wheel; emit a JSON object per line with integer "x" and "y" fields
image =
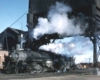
{"x": 64, "y": 69}
{"x": 16, "y": 70}
{"x": 36, "y": 67}
{"x": 39, "y": 69}
{"x": 7, "y": 71}
{"x": 44, "y": 69}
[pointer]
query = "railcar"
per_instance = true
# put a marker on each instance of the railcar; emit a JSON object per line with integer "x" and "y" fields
{"x": 35, "y": 62}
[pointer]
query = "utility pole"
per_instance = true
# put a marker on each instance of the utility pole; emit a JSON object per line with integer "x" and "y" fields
{"x": 93, "y": 37}
{"x": 94, "y": 41}
{"x": 92, "y": 33}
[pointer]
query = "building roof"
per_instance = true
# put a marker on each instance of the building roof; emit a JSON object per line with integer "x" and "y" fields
{"x": 10, "y": 32}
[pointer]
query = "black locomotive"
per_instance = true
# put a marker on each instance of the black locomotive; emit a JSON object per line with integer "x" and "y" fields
{"x": 35, "y": 61}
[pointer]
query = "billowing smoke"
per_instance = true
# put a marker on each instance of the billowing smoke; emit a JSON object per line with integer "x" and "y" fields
{"x": 79, "y": 47}
{"x": 57, "y": 21}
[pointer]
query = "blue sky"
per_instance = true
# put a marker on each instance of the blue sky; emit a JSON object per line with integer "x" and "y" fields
{"x": 10, "y": 11}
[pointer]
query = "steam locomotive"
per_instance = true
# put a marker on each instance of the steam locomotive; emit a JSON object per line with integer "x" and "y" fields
{"x": 40, "y": 61}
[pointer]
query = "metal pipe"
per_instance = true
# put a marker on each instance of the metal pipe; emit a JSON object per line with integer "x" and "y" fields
{"x": 94, "y": 52}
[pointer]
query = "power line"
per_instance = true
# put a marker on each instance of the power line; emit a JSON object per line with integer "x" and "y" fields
{"x": 18, "y": 19}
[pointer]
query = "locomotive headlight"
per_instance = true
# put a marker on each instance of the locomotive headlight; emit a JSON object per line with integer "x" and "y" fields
{"x": 13, "y": 57}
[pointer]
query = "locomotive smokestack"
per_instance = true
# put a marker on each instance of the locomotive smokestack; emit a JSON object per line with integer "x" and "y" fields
{"x": 22, "y": 41}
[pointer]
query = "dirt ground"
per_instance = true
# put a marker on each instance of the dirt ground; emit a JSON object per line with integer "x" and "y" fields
{"x": 67, "y": 77}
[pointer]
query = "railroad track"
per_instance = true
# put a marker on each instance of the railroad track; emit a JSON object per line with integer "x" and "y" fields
{"x": 30, "y": 75}
{"x": 40, "y": 75}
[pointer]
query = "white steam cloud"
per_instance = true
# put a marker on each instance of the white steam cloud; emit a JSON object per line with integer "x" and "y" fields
{"x": 53, "y": 47}
{"x": 57, "y": 21}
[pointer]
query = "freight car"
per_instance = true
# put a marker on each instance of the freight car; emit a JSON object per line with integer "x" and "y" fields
{"x": 35, "y": 61}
